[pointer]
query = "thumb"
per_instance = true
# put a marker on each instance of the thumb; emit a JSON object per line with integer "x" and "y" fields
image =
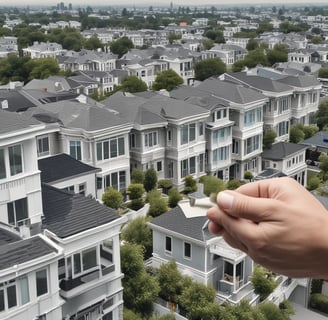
{"x": 242, "y": 206}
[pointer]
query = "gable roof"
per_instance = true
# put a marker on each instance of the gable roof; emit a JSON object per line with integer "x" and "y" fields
{"x": 21, "y": 251}
{"x": 259, "y": 82}
{"x": 11, "y": 122}
{"x": 74, "y": 114}
{"x": 175, "y": 221}
{"x": 66, "y": 214}
{"x": 320, "y": 139}
{"x": 131, "y": 109}
{"x": 231, "y": 92}
{"x": 282, "y": 150}
{"x": 16, "y": 100}
{"x": 300, "y": 81}
{"x": 62, "y": 166}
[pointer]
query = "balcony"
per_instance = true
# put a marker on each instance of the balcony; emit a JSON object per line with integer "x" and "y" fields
{"x": 106, "y": 268}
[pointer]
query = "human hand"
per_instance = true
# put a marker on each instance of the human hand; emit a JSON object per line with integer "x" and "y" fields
{"x": 278, "y": 223}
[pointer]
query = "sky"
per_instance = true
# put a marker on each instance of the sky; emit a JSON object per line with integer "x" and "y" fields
{"x": 158, "y": 2}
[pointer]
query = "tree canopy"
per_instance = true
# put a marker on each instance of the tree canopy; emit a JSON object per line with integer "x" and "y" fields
{"x": 208, "y": 68}
{"x": 121, "y": 46}
{"x": 133, "y": 84}
{"x": 167, "y": 79}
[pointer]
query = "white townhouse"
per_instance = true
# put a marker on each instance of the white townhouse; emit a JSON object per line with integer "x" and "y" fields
{"x": 93, "y": 135}
{"x": 218, "y": 129}
{"x": 87, "y": 60}
{"x": 59, "y": 251}
{"x": 176, "y": 138}
{"x": 277, "y": 111}
{"x": 147, "y": 139}
{"x": 246, "y": 111}
{"x": 44, "y": 50}
{"x": 288, "y": 158}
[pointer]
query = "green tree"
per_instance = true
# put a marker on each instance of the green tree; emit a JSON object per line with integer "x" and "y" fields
{"x": 130, "y": 315}
{"x": 135, "y": 192}
{"x": 190, "y": 184}
{"x": 321, "y": 116}
{"x": 296, "y": 134}
{"x": 170, "y": 281}
{"x": 167, "y": 79}
{"x": 150, "y": 181}
{"x": 310, "y": 131}
{"x": 174, "y": 197}
{"x": 255, "y": 57}
{"x": 157, "y": 205}
{"x": 208, "y": 44}
{"x": 278, "y": 54}
{"x": 93, "y": 43}
{"x": 212, "y": 185}
{"x": 173, "y": 36}
{"x": 121, "y": 46}
{"x": 208, "y": 68}
{"x": 43, "y": 68}
{"x": 323, "y": 166}
{"x": 138, "y": 232}
{"x": 112, "y": 198}
{"x": 252, "y": 44}
{"x": 323, "y": 73}
{"x": 273, "y": 312}
{"x": 269, "y": 138}
{"x": 263, "y": 282}
{"x": 140, "y": 288}
{"x": 317, "y": 39}
{"x": 137, "y": 176}
{"x": 195, "y": 298}
{"x": 133, "y": 84}
{"x": 238, "y": 66}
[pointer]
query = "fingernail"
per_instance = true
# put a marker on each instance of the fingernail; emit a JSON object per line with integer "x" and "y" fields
{"x": 225, "y": 200}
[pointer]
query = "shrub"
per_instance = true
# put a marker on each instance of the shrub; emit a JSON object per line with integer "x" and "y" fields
{"x": 136, "y": 204}
{"x": 212, "y": 185}
{"x": 190, "y": 184}
{"x": 319, "y": 302}
{"x": 263, "y": 282}
{"x": 233, "y": 184}
{"x": 157, "y": 205}
{"x": 112, "y": 198}
{"x": 135, "y": 191}
{"x": 313, "y": 183}
{"x": 248, "y": 175}
{"x": 150, "y": 179}
{"x": 165, "y": 184}
{"x": 137, "y": 176}
{"x": 174, "y": 197}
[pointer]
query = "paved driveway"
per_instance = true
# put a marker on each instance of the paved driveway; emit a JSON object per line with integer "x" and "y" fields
{"x": 302, "y": 313}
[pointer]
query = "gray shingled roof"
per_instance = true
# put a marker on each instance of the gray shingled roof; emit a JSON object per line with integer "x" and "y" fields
{"x": 11, "y": 122}
{"x": 130, "y": 108}
{"x": 66, "y": 214}
{"x": 7, "y": 236}
{"x": 176, "y": 221}
{"x": 320, "y": 139}
{"x": 23, "y": 251}
{"x": 300, "y": 81}
{"x": 261, "y": 83}
{"x": 281, "y": 150}
{"x": 75, "y": 114}
{"x": 198, "y": 97}
{"x": 62, "y": 166}
{"x": 230, "y": 91}
{"x": 16, "y": 100}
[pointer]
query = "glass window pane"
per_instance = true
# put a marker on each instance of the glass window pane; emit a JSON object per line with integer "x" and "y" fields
{"x": 106, "y": 150}
{"x": 11, "y": 296}
{"x": 168, "y": 244}
{"x": 115, "y": 180}
{"x": 187, "y": 249}
{"x": 77, "y": 263}
{"x": 11, "y": 213}
{"x": 2, "y": 164}
{"x": 15, "y": 160}
{"x": 21, "y": 209}
{"x": 121, "y": 150}
{"x": 2, "y": 300}
{"x": 113, "y": 148}
{"x": 89, "y": 258}
{"x": 24, "y": 290}
{"x": 99, "y": 151}
{"x": 192, "y": 132}
{"x": 41, "y": 282}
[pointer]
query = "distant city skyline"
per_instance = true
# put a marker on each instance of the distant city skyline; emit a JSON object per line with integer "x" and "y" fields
{"x": 160, "y": 2}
